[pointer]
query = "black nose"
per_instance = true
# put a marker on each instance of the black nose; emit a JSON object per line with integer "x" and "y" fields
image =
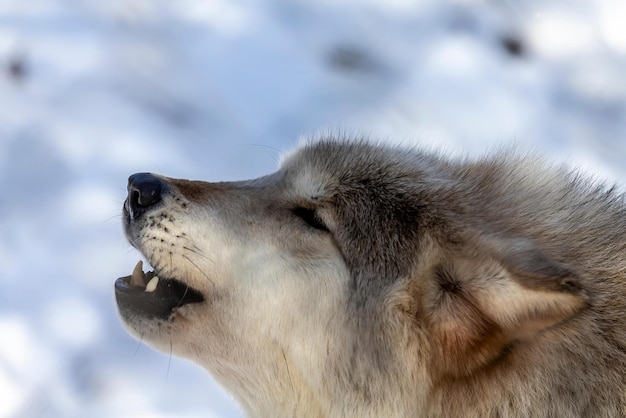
{"x": 144, "y": 190}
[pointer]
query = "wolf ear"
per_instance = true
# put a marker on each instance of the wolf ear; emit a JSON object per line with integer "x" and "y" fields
{"x": 479, "y": 303}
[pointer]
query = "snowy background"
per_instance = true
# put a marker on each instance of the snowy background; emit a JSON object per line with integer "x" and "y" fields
{"x": 92, "y": 91}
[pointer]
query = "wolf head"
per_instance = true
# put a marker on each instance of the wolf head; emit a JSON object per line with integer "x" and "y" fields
{"x": 362, "y": 280}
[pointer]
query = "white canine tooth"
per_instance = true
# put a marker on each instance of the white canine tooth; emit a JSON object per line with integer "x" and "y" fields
{"x": 136, "y": 279}
{"x": 152, "y": 284}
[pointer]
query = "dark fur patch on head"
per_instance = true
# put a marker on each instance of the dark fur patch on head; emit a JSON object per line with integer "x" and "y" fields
{"x": 447, "y": 281}
{"x": 383, "y": 187}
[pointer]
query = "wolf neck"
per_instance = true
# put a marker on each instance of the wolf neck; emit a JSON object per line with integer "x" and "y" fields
{"x": 281, "y": 390}
{"x": 269, "y": 389}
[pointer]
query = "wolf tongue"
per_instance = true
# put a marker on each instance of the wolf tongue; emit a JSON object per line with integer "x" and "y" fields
{"x": 137, "y": 279}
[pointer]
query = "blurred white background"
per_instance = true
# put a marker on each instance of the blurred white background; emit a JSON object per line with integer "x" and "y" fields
{"x": 92, "y": 91}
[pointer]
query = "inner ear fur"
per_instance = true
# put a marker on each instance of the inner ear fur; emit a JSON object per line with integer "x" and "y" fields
{"x": 478, "y": 303}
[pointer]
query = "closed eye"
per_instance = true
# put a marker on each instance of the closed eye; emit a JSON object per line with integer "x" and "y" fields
{"x": 311, "y": 218}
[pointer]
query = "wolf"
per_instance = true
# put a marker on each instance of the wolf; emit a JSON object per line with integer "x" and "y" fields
{"x": 364, "y": 280}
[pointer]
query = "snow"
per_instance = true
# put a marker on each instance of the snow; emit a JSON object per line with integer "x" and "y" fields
{"x": 93, "y": 91}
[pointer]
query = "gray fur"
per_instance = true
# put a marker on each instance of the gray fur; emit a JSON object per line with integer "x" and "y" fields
{"x": 422, "y": 286}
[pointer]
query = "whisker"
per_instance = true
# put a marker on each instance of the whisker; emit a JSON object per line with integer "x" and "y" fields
{"x": 293, "y": 392}
{"x": 138, "y": 344}
{"x": 267, "y": 148}
{"x": 169, "y": 365}
{"x": 195, "y": 252}
{"x": 119, "y": 216}
{"x": 183, "y": 297}
{"x": 200, "y": 270}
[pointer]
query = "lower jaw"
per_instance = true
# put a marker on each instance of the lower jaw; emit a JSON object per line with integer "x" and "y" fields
{"x": 147, "y": 295}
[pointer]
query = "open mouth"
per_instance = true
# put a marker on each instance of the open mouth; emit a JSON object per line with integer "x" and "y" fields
{"x": 150, "y": 295}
